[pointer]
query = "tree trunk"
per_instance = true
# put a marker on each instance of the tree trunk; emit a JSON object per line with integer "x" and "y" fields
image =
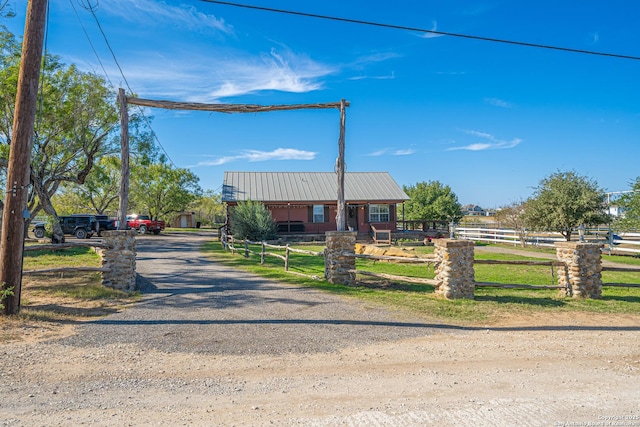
{"x": 47, "y": 207}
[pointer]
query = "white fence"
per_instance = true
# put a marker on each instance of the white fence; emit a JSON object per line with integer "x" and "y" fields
{"x": 622, "y": 242}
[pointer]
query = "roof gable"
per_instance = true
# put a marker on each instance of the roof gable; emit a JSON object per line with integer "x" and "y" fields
{"x": 309, "y": 187}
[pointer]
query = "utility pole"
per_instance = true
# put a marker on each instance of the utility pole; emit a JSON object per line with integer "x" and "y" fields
{"x": 18, "y": 174}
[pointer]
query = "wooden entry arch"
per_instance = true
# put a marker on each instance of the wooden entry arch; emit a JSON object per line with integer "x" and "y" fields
{"x": 124, "y": 101}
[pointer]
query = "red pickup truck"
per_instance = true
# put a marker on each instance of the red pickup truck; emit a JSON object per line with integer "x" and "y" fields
{"x": 143, "y": 224}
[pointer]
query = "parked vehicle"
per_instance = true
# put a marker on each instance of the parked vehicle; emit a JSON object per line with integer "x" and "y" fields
{"x": 38, "y": 229}
{"x": 143, "y": 224}
{"x": 105, "y": 223}
{"x": 83, "y": 226}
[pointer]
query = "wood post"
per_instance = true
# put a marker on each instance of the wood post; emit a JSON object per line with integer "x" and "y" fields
{"x": 15, "y": 211}
{"x": 124, "y": 167}
{"x": 262, "y": 254}
{"x": 286, "y": 258}
{"x": 341, "y": 218}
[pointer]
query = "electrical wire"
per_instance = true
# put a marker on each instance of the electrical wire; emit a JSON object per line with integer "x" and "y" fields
{"x": 91, "y": 9}
{"x": 422, "y": 30}
{"x": 91, "y": 44}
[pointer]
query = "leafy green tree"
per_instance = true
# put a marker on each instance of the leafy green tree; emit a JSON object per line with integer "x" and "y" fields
{"x": 209, "y": 208}
{"x": 99, "y": 193}
{"x": 565, "y": 200}
{"x": 252, "y": 220}
{"x": 161, "y": 190}
{"x": 432, "y": 201}
{"x": 75, "y": 118}
{"x": 630, "y": 202}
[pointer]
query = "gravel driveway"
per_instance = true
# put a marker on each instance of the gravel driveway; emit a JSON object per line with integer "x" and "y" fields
{"x": 211, "y": 346}
{"x": 193, "y": 304}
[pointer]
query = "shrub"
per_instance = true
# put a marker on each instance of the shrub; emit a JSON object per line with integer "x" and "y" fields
{"x": 253, "y": 221}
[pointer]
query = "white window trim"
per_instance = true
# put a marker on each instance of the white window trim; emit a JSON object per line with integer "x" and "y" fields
{"x": 381, "y": 210}
{"x": 318, "y": 215}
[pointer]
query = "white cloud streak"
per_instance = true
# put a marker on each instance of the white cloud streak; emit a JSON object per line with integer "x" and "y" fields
{"x": 498, "y": 102}
{"x": 489, "y": 142}
{"x": 149, "y": 12}
{"x": 434, "y": 27}
{"x": 392, "y": 152}
{"x": 262, "y": 156}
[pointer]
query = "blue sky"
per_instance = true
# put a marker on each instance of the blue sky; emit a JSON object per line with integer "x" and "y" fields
{"x": 489, "y": 119}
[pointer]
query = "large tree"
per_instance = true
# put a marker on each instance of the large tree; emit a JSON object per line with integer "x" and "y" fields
{"x": 75, "y": 118}
{"x": 161, "y": 190}
{"x": 209, "y": 208}
{"x": 630, "y": 203}
{"x": 563, "y": 201}
{"x": 432, "y": 201}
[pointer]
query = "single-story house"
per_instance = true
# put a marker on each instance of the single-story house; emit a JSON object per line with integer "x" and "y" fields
{"x": 306, "y": 202}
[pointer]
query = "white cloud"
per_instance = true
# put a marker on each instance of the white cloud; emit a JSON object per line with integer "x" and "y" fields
{"x": 498, "y": 102}
{"x": 262, "y": 156}
{"x": 209, "y": 78}
{"x": 391, "y": 76}
{"x": 392, "y": 152}
{"x": 434, "y": 27}
{"x": 403, "y": 152}
{"x": 490, "y": 142}
{"x": 594, "y": 38}
{"x": 282, "y": 71}
{"x": 149, "y": 12}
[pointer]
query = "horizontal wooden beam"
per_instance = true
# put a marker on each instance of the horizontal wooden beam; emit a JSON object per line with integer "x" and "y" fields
{"x": 68, "y": 270}
{"x": 228, "y": 108}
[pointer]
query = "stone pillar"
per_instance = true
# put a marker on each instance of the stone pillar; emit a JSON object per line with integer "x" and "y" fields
{"x": 336, "y": 265}
{"x": 582, "y": 275}
{"x": 454, "y": 268}
{"x": 120, "y": 259}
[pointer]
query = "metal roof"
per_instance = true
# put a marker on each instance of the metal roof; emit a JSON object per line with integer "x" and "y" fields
{"x": 309, "y": 187}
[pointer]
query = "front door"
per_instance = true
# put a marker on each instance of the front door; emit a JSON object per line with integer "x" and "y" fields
{"x": 352, "y": 218}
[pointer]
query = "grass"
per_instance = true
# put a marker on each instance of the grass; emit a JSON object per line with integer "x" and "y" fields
{"x": 489, "y": 305}
{"x": 51, "y": 301}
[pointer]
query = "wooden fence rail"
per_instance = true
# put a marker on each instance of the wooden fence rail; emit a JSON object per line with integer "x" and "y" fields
{"x": 520, "y": 262}
{"x": 59, "y": 246}
{"x": 431, "y": 261}
{"x": 622, "y": 269}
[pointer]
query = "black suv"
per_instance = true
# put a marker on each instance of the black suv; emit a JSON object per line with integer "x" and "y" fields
{"x": 105, "y": 223}
{"x": 81, "y": 225}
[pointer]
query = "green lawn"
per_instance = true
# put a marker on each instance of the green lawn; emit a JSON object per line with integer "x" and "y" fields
{"x": 489, "y": 304}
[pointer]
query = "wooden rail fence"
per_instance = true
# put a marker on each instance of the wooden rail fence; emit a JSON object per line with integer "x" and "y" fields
{"x": 65, "y": 246}
{"x": 228, "y": 242}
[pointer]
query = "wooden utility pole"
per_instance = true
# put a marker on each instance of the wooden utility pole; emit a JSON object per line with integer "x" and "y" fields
{"x": 124, "y": 167}
{"x": 341, "y": 218}
{"x": 15, "y": 207}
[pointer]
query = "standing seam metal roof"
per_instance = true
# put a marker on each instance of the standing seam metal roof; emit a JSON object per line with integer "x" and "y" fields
{"x": 309, "y": 187}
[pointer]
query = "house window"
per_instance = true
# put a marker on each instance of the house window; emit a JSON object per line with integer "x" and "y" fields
{"x": 378, "y": 213}
{"x": 318, "y": 213}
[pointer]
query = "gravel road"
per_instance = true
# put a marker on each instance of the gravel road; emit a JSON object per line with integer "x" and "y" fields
{"x": 209, "y": 345}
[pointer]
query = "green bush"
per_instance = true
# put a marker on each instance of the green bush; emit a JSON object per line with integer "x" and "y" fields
{"x": 253, "y": 221}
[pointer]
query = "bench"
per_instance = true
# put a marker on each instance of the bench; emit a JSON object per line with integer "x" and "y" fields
{"x": 290, "y": 227}
{"x": 380, "y": 236}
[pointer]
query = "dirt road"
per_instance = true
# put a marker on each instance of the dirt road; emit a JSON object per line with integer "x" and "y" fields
{"x": 212, "y": 346}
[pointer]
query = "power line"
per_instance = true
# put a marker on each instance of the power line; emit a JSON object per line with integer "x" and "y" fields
{"x": 423, "y": 30}
{"x": 91, "y": 44}
{"x": 91, "y": 9}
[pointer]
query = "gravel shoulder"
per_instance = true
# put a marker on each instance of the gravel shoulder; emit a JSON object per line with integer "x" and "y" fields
{"x": 209, "y": 345}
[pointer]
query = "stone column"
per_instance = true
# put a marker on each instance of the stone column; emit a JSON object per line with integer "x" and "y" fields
{"x": 336, "y": 265}
{"x": 454, "y": 268}
{"x": 582, "y": 275}
{"x": 120, "y": 259}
